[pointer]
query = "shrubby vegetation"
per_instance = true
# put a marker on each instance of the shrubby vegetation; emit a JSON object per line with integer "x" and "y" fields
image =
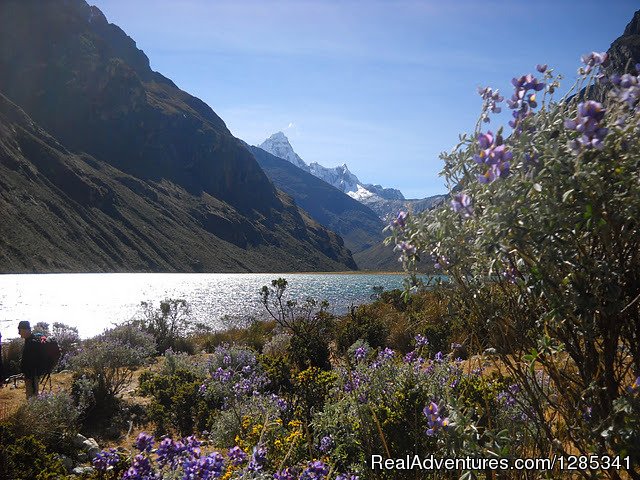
{"x": 531, "y": 347}
{"x": 541, "y": 243}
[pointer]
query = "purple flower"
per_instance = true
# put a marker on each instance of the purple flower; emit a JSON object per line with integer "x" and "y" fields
{"x": 354, "y": 382}
{"x": 237, "y": 456}
{"x": 106, "y": 459}
{"x": 593, "y": 59}
{"x": 204, "y": 468}
{"x": 421, "y": 340}
{"x": 541, "y": 67}
{"x": 386, "y": 354}
{"x": 144, "y": 442}
{"x": 438, "y": 357}
{"x": 360, "y": 353}
{"x": 399, "y": 222}
{"x": 287, "y": 474}
{"x": 315, "y": 470}
{"x": 347, "y": 476}
{"x": 434, "y": 420}
{"x": 140, "y": 469}
{"x": 461, "y": 203}
{"x": 510, "y": 274}
{"x": 326, "y": 444}
{"x": 258, "y": 459}
{"x": 587, "y": 124}
{"x": 496, "y": 157}
{"x": 406, "y": 248}
{"x": 521, "y": 101}
{"x": 508, "y": 397}
{"x": 485, "y": 140}
{"x": 168, "y": 452}
{"x": 490, "y": 99}
{"x": 410, "y": 357}
{"x": 280, "y": 402}
{"x": 441, "y": 262}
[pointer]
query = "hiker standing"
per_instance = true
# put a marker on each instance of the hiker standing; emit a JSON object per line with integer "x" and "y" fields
{"x": 30, "y": 359}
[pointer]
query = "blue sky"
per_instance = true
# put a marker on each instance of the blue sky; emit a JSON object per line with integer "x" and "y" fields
{"x": 383, "y": 86}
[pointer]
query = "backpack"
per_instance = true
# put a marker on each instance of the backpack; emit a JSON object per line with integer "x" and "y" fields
{"x": 49, "y": 354}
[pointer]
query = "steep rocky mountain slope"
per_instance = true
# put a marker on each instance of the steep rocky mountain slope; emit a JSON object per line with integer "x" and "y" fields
{"x": 108, "y": 166}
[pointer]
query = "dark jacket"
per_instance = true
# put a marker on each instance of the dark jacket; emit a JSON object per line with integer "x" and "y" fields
{"x": 30, "y": 356}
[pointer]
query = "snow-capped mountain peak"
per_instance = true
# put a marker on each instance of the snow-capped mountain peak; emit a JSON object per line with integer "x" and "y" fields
{"x": 278, "y": 145}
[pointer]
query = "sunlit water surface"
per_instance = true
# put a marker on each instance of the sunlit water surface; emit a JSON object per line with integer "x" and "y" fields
{"x": 93, "y": 302}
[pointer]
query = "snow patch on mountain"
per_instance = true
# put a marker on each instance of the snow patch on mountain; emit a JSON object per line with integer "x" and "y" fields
{"x": 362, "y": 194}
{"x": 340, "y": 177}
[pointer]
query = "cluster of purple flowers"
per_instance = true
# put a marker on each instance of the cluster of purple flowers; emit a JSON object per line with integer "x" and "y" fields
{"x": 592, "y": 60}
{"x": 326, "y": 444}
{"x": 508, "y": 397}
{"x": 627, "y": 88}
{"x": 434, "y": 420}
{"x": 406, "y": 248}
{"x": 587, "y": 124}
{"x": 258, "y": 459}
{"x": 421, "y": 341}
{"x": 316, "y": 470}
{"x": 203, "y": 468}
{"x": 523, "y": 100}
{"x": 279, "y": 402}
{"x": 354, "y": 381}
{"x": 106, "y": 459}
{"x": 140, "y": 469}
{"x": 400, "y": 222}
{"x": 360, "y": 353}
{"x": 461, "y": 203}
{"x": 144, "y": 442}
{"x": 490, "y": 99}
{"x": 494, "y": 155}
{"x": 237, "y": 456}
{"x": 236, "y": 372}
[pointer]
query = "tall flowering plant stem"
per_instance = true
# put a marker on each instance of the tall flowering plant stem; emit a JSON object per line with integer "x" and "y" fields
{"x": 541, "y": 244}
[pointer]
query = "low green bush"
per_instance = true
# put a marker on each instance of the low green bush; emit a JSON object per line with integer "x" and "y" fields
{"x": 27, "y": 458}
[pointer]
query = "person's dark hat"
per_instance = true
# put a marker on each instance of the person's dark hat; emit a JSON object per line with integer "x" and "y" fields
{"x": 24, "y": 325}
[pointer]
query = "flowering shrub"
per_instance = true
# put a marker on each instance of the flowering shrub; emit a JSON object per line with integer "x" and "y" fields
{"x": 52, "y": 418}
{"x": 540, "y": 243}
{"x": 109, "y": 360}
{"x": 187, "y": 459}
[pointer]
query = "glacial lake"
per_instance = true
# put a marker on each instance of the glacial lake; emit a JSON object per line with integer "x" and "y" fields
{"x": 93, "y": 302}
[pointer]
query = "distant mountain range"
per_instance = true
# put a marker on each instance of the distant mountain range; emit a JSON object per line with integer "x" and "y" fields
{"x": 384, "y": 201}
{"x": 106, "y": 165}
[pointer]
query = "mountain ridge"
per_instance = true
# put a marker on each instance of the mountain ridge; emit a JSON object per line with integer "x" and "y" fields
{"x": 386, "y": 202}
{"x": 120, "y": 134}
